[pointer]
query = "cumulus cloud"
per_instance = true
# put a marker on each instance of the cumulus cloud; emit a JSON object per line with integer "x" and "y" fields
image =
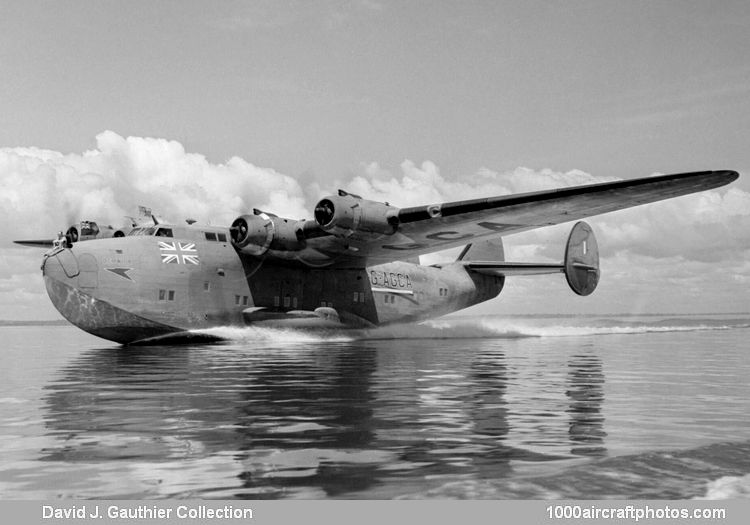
{"x": 424, "y": 184}
{"x": 45, "y": 191}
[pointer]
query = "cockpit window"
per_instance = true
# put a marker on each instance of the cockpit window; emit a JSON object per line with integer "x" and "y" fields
{"x": 164, "y": 232}
{"x": 144, "y": 231}
{"x": 89, "y": 228}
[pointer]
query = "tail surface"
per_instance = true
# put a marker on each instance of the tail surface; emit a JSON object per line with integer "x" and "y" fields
{"x": 489, "y": 250}
{"x": 580, "y": 264}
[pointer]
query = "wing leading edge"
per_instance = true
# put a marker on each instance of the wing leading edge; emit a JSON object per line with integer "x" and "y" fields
{"x": 425, "y": 229}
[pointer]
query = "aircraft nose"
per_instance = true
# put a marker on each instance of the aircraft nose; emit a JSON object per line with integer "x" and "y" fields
{"x": 62, "y": 278}
{"x": 60, "y": 273}
{"x": 74, "y": 291}
{"x": 62, "y": 266}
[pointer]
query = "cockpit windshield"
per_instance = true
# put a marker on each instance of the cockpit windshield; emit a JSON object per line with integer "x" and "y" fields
{"x": 89, "y": 228}
{"x": 142, "y": 231}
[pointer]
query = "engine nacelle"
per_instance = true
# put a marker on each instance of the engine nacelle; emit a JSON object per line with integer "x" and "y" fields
{"x": 345, "y": 214}
{"x": 256, "y": 234}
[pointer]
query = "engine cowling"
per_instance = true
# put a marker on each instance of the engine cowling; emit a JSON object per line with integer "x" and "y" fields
{"x": 346, "y": 214}
{"x": 256, "y": 234}
{"x": 252, "y": 234}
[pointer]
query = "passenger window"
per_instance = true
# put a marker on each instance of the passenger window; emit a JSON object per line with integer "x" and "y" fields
{"x": 222, "y": 237}
{"x": 171, "y": 295}
{"x": 210, "y": 236}
{"x": 162, "y": 294}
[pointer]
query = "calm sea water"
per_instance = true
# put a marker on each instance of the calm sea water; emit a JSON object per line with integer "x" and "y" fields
{"x": 652, "y": 407}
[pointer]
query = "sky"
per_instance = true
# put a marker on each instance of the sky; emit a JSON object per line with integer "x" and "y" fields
{"x": 209, "y": 109}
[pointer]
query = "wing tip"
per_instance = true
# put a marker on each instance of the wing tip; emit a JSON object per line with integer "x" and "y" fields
{"x": 705, "y": 180}
{"x": 719, "y": 178}
{"x": 729, "y": 175}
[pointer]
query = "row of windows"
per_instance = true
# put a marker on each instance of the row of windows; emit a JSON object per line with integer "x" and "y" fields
{"x": 152, "y": 230}
{"x": 211, "y": 236}
{"x": 166, "y": 295}
{"x": 167, "y": 232}
{"x": 289, "y": 301}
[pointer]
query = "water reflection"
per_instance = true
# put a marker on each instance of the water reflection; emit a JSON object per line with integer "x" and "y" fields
{"x": 321, "y": 419}
{"x": 586, "y": 395}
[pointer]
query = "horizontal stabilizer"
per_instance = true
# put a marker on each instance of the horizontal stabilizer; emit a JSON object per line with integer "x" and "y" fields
{"x": 580, "y": 265}
{"x": 511, "y": 268}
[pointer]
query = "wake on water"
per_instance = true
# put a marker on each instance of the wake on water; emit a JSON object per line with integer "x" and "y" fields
{"x": 465, "y": 328}
{"x": 728, "y": 487}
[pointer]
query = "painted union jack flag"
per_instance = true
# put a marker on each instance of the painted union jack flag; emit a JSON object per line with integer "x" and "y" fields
{"x": 178, "y": 252}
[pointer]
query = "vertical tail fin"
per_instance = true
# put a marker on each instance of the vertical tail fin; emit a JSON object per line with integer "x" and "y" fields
{"x": 582, "y": 259}
{"x": 490, "y": 250}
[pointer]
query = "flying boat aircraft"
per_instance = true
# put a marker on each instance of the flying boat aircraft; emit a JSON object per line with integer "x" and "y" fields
{"x": 353, "y": 265}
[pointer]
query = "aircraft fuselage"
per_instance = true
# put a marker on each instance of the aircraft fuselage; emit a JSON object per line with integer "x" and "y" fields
{"x": 133, "y": 288}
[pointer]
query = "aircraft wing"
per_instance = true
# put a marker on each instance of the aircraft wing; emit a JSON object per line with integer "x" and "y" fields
{"x": 430, "y": 228}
